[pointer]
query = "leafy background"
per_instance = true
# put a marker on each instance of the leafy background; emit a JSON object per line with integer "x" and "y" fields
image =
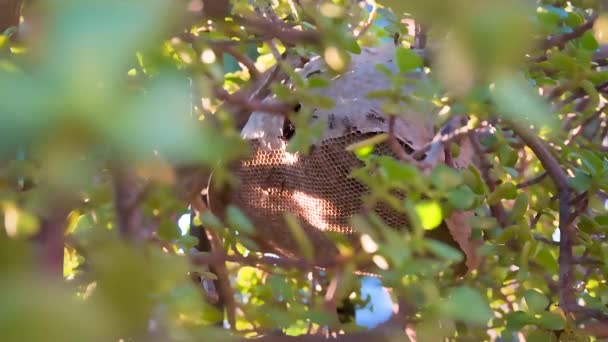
{"x": 114, "y": 113}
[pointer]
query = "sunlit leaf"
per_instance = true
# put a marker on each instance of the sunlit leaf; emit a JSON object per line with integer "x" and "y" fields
{"x": 430, "y": 214}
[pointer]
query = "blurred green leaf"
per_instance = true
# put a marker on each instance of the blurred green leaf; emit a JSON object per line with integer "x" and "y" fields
{"x": 445, "y": 178}
{"x": 536, "y": 301}
{"x": 298, "y": 233}
{"x": 581, "y": 181}
{"x": 461, "y": 198}
{"x": 552, "y": 321}
{"x": 407, "y": 60}
{"x": 503, "y": 191}
{"x": 444, "y": 251}
{"x": 516, "y": 100}
{"x": 467, "y": 305}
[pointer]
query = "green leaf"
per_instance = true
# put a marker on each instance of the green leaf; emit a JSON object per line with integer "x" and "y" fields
{"x": 552, "y": 321}
{"x": 467, "y": 305}
{"x": 581, "y": 181}
{"x": 541, "y": 336}
{"x": 482, "y": 222}
{"x": 547, "y": 259}
{"x": 350, "y": 44}
{"x": 280, "y": 288}
{"x": 299, "y": 235}
{"x": 407, "y": 60}
{"x": 445, "y": 178}
{"x": 187, "y": 242}
{"x": 592, "y": 162}
{"x": 588, "y": 41}
{"x": 503, "y": 191}
{"x": 519, "y": 319}
{"x": 536, "y": 301}
{"x": 316, "y": 81}
{"x": 209, "y": 220}
{"x": 237, "y": 220}
{"x": 394, "y": 170}
{"x": 168, "y": 230}
{"x": 444, "y": 251}
{"x": 430, "y": 214}
{"x": 461, "y": 198}
{"x": 365, "y": 147}
{"x": 473, "y": 179}
{"x": 520, "y": 206}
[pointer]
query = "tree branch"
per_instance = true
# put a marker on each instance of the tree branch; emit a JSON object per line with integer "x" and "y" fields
{"x": 561, "y": 39}
{"x": 126, "y": 195}
{"x": 254, "y": 73}
{"x": 283, "y": 33}
{"x": 51, "y": 240}
{"x": 252, "y": 105}
{"x": 567, "y": 232}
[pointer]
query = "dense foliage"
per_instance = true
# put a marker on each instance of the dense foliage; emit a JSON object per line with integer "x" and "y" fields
{"x": 113, "y": 114}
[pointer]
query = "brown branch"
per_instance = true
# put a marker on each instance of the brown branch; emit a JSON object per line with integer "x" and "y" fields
{"x": 567, "y": 231}
{"x": 210, "y": 288}
{"x": 252, "y": 105}
{"x": 51, "y": 240}
{"x": 254, "y": 73}
{"x": 561, "y": 39}
{"x": 287, "y": 35}
{"x": 128, "y": 217}
{"x": 247, "y": 100}
{"x": 223, "y": 280}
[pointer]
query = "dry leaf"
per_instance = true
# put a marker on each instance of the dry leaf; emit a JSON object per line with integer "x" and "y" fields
{"x": 461, "y": 232}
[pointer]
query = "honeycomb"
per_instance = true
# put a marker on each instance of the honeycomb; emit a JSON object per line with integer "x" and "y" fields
{"x": 316, "y": 188}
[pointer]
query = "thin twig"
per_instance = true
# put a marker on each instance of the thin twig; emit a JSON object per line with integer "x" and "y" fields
{"x": 532, "y": 181}
{"x": 446, "y": 135}
{"x": 370, "y": 19}
{"x": 545, "y": 240}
